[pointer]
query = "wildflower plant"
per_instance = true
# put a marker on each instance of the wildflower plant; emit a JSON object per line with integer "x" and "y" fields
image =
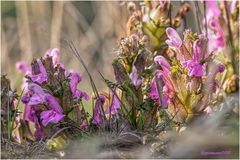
{"x": 51, "y": 94}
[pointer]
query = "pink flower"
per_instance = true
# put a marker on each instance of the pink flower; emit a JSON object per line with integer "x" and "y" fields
{"x": 174, "y": 39}
{"x": 30, "y": 113}
{"x": 34, "y": 95}
{"x": 42, "y": 76}
{"x": 134, "y": 77}
{"x": 23, "y": 67}
{"x": 50, "y": 116}
{"x": 164, "y": 81}
{"x": 75, "y": 79}
{"x": 161, "y": 98}
{"x": 97, "y": 113}
{"x": 163, "y": 63}
{"x": 81, "y": 94}
{"x": 53, "y": 103}
{"x": 114, "y": 106}
{"x": 194, "y": 67}
{"x": 215, "y": 31}
{"x": 55, "y": 54}
{"x": 39, "y": 134}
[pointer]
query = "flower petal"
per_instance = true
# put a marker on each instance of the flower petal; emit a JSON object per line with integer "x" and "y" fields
{"x": 162, "y": 62}
{"x": 50, "y": 116}
{"x": 134, "y": 77}
{"x": 174, "y": 39}
{"x": 53, "y": 103}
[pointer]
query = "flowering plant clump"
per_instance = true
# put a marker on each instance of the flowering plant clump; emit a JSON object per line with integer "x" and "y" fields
{"x": 51, "y": 94}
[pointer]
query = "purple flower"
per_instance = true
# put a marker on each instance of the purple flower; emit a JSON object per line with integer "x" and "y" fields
{"x": 35, "y": 88}
{"x": 134, "y": 77}
{"x": 34, "y": 95}
{"x": 55, "y": 54}
{"x": 42, "y": 76}
{"x": 160, "y": 60}
{"x": 161, "y": 98}
{"x": 81, "y": 94}
{"x": 23, "y": 67}
{"x": 36, "y": 99}
{"x": 41, "y": 67}
{"x": 50, "y": 116}
{"x": 75, "y": 79}
{"x": 215, "y": 31}
{"x": 194, "y": 67}
{"x": 30, "y": 113}
{"x": 163, "y": 77}
{"x": 53, "y": 103}
{"x": 114, "y": 106}
{"x": 26, "y": 97}
{"x": 174, "y": 39}
{"x": 39, "y": 134}
{"x": 97, "y": 113}
{"x": 163, "y": 63}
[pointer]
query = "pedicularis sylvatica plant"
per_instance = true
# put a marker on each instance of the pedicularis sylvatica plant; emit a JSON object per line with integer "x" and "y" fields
{"x": 163, "y": 78}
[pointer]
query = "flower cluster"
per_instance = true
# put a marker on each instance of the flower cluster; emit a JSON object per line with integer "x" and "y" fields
{"x": 183, "y": 78}
{"x": 51, "y": 92}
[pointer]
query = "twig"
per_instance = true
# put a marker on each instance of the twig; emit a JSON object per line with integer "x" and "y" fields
{"x": 73, "y": 48}
{"x": 230, "y": 34}
{"x": 197, "y": 15}
{"x": 205, "y": 18}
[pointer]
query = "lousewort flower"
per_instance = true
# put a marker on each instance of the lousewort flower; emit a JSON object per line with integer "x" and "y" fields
{"x": 75, "y": 79}
{"x": 50, "y": 116}
{"x": 36, "y": 96}
{"x": 23, "y": 67}
{"x": 134, "y": 77}
{"x": 53, "y": 103}
{"x": 159, "y": 91}
{"x": 194, "y": 67}
{"x": 161, "y": 86}
{"x": 97, "y": 113}
{"x": 41, "y": 76}
{"x": 114, "y": 106}
{"x": 31, "y": 114}
{"x": 215, "y": 31}
{"x": 174, "y": 39}
{"x": 55, "y": 54}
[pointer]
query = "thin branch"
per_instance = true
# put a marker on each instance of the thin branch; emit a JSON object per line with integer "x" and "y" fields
{"x": 205, "y": 18}
{"x": 230, "y": 34}
{"x": 197, "y": 15}
{"x": 76, "y": 53}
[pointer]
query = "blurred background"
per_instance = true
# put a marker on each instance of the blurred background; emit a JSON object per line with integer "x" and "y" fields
{"x": 29, "y": 28}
